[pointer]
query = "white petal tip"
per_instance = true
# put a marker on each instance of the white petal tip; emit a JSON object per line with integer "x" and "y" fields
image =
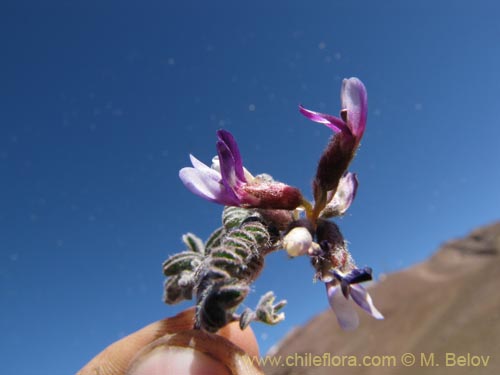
{"x": 378, "y": 316}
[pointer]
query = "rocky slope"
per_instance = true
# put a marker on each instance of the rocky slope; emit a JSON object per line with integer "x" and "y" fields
{"x": 448, "y": 304}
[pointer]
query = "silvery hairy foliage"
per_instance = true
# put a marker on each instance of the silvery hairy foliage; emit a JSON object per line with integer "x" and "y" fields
{"x": 219, "y": 271}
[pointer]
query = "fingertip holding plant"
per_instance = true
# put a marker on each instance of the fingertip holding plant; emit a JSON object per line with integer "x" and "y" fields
{"x": 262, "y": 216}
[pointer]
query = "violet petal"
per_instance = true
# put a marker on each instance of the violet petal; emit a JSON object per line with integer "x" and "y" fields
{"x": 202, "y": 167}
{"x": 227, "y": 170}
{"x": 201, "y": 184}
{"x": 363, "y": 299}
{"x": 354, "y": 99}
{"x": 228, "y": 139}
{"x": 343, "y": 197}
{"x": 358, "y": 275}
{"x": 334, "y": 123}
{"x": 226, "y": 161}
{"x": 344, "y": 310}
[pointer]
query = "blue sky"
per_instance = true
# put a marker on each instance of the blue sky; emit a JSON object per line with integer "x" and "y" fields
{"x": 102, "y": 102}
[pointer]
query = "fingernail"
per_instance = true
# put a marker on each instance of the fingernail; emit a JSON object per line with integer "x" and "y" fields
{"x": 172, "y": 360}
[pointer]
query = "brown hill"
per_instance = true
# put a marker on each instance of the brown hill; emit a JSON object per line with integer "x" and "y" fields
{"x": 448, "y": 304}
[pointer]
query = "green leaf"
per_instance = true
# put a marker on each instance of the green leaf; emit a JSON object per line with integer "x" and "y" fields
{"x": 223, "y": 252}
{"x": 214, "y": 240}
{"x": 227, "y": 264}
{"x": 187, "y": 260}
{"x": 266, "y": 312}
{"x": 232, "y": 217}
{"x": 258, "y": 231}
{"x": 246, "y": 317}
{"x": 231, "y": 296}
{"x": 193, "y": 243}
{"x": 242, "y": 248}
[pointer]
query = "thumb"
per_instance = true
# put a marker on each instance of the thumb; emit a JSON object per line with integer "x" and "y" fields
{"x": 177, "y": 332}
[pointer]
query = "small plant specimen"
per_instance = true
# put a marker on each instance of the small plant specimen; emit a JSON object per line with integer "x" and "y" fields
{"x": 262, "y": 215}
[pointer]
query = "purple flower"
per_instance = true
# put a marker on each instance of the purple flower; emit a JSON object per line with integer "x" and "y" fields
{"x": 348, "y": 129}
{"x": 343, "y": 290}
{"x": 231, "y": 185}
{"x": 353, "y": 113}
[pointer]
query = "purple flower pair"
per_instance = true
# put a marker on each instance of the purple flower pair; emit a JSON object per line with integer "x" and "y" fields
{"x": 228, "y": 183}
{"x": 231, "y": 186}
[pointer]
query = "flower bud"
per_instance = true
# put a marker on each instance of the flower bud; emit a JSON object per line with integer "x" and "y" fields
{"x": 297, "y": 242}
{"x": 340, "y": 200}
